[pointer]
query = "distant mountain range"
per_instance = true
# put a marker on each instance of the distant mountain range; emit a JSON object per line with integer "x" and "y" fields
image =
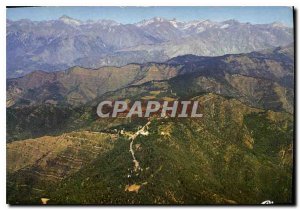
{"x": 66, "y": 42}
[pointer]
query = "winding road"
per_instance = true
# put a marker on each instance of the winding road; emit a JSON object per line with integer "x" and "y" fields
{"x": 143, "y": 131}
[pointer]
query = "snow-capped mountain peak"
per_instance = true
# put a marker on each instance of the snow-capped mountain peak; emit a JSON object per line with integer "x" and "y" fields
{"x": 68, "y": 20}
{"x": 151, "y": 21}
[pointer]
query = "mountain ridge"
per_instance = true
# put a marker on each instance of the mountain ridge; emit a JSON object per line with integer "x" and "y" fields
{"x": 79, "y": 85}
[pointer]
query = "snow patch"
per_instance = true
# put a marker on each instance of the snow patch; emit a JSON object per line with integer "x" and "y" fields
{"x": 225, "y": 26}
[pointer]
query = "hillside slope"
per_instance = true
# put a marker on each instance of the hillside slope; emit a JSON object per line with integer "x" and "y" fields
{"x": 234, "y": 154}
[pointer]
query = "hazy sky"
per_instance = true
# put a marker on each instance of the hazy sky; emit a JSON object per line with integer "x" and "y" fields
{"x": 136, "y": 14}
